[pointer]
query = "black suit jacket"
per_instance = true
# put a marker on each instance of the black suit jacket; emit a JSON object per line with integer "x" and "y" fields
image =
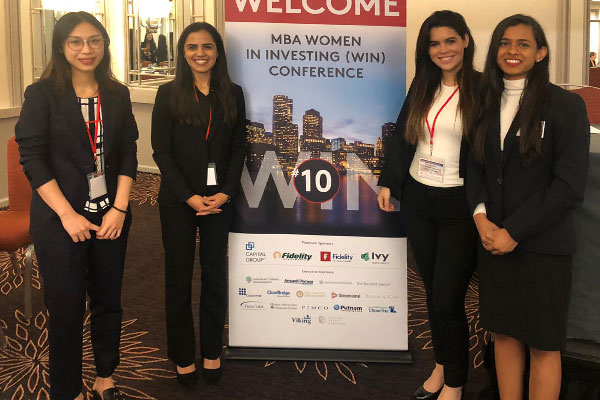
{"x": 534, "y": 203}
{"x": 53, "y": 144}
{"x": 182, "y": 152}
{"x": 399, "y": 153}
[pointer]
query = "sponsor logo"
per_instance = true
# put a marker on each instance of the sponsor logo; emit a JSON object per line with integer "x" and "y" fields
{"x": 325, "y": 256}
{"x": 365, "y": 256}
{"x": 244, "y": 292}
{"x": 315, "y": 308}
{"x": 342, "y": 257}
{"x": 279, "y": 293}
{"x": 283, "y": 306}
{"x": 345, "y": 295}
{"x": 388, "y": 309}
{"x": 381, "y": 296}
{"x": 298, "y": 281}
{"x": 301, "y": 293}
{"x": 338, "y": 307}
{"x": 277, "y": 254}
{"x": 292, "y": 256}
{"x": 255, "y": 256}
{"x": 329, "y": 320}
{"x": 249, "y": 279}
{"x": 302, "y": 320}
{"x": 335, "y": 283}
{"x": 376, "y": 258}
{"x": 252, "y": 305}
{"x": 379, "y": 284}
{"x": 249, "y": 246}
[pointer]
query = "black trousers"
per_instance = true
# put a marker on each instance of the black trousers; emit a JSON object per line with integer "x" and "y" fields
{"x": 69, "y": 271}
{"x": 443, "y": 238}
{"x": 179, "y": 226}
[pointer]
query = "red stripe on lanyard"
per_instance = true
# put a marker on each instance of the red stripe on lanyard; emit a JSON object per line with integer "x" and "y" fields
{"x": 97, "y": 123}
{"x": 209, "y": 114}
{"x": 431, "y": 129}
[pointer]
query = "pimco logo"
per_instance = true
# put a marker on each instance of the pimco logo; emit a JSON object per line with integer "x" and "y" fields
{"x": 292, "y": 256}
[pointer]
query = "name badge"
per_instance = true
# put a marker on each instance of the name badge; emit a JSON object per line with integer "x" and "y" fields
{"x": 97, "y": 184}
{"x": 211, "y": 175}
{"x": 431, "y": 168}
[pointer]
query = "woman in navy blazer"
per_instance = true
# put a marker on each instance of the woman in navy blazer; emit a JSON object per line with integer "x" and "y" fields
{"x": 527, "y": 174}
{"x": 76, "y": 136}
{"x": 199, "y": 138}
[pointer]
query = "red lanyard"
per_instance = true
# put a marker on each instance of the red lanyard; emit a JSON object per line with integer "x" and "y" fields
{"x": 209, "y": 114}
{"x": 97, "y": 124}
{"x": 432, "y": 128}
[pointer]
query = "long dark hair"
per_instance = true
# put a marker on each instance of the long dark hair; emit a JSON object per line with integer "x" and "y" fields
{"x": 532, "y": 100}
{"x": 428, "y": 75}
{"x": 58, "y": 69}
{"x": 183, "y": 105}
{"x": 151, "y": 42}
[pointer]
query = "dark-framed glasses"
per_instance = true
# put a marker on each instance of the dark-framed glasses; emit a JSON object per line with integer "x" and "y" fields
{"x": 76, "y": 43}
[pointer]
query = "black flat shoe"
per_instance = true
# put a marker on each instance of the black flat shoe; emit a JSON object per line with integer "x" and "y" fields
{"x": 422, "y": 394}
{"x": 108, "y": 394}
{"x": 211, "y": 376}
{"x": 188, "y": 380}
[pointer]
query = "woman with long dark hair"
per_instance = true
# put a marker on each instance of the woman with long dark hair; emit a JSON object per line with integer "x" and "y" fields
{"x": 162, "y": 51}
{"x": 76, "y": 136}
{"x": 527, "y": 174}
{"x": 148, "y": 48}
{"x": 425, "y": 165}
{"x": 198, "y": 137}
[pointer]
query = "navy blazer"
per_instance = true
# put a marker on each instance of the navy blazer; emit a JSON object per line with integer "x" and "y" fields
{"x": 182, "y": 152}
{"x": 53, "y": 144}
{"x": 399, "y": 153}
{"x": 534, "y": 203}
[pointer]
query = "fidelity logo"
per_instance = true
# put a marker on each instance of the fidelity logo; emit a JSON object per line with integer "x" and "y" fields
{"x": 337, "y": 307}
{"x": 298, "y": 281}
{"x": 244, "y": 292}
{"x": 301, "y": 293}
{"x": 375, "y": 258}
{"x": 345, "y": 295}
{"x": 292, "y": 256}
{"x": 302, "y": 320}
{"x": 335, "y": 257}
{"x": 325, "y": 256}
{"x": 252, "y": 305}
{"x": 388, "y": 309}
{"x": 279, "y": 293}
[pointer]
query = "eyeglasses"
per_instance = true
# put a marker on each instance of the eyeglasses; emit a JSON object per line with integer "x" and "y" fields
{"x": 76, "y": 43}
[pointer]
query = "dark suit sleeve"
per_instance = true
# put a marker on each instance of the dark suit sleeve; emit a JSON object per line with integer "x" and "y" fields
{"x": 31, "y": 134}
{"x": 571, "y": 133}
{"x": 237, "y": 147}
{"x": 162, "y": 133}
{"x": 129, "y": 136}
{"x": 396, "y": 153}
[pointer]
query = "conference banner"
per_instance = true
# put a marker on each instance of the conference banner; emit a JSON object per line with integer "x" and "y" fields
{"x": 313, "y": 262}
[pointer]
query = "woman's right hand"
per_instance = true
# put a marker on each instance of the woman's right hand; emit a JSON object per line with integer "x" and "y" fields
{"x": 486, "y": 229}
{"x": 383, "y": 198}
{"x": 77, "y": 226}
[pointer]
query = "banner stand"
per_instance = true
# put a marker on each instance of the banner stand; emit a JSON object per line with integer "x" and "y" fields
{"x": 273, "y": 354}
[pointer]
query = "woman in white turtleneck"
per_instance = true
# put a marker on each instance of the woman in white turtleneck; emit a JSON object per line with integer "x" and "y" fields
{"x": 425, "y": 165}
{"x": 527, "y": 173}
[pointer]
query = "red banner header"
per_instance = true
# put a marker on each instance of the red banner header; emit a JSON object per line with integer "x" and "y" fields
{"x": 320, "y": 12}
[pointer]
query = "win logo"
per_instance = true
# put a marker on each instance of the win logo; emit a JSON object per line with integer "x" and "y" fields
{"x": 365, "y": 256}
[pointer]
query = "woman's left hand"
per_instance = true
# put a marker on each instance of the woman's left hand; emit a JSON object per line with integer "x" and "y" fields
{"x": 112, "y": 224}
{"x": 213, "y": 203}
{"x": 503, "y": 243}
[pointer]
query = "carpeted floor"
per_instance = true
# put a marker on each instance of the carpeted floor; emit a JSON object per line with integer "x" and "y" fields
{"x": 145, "y": 372}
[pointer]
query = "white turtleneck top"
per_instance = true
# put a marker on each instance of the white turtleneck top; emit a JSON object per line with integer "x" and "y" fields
{"x": 446, "y": 139}
{"x": 509, "y": 105}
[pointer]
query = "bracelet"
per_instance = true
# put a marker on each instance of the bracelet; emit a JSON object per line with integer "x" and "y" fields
{"x": 119, "y": 210}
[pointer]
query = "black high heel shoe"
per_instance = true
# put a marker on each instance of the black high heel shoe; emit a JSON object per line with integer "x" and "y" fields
{"x": 108, "y": 394}
{"x": 188, "y": 380}
{"x": 211, "y": 376}
{"x": 422, "y": 394}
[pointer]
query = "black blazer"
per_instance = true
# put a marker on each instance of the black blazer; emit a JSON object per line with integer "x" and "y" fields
{"x": 399, "y": 153}
{"x": 534, "y": 203}
{"x": 53, "y": 143}
{"x": 182, "y": 153}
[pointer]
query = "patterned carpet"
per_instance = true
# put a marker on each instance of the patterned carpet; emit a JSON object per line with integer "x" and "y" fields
{"x": 145, "y": 372}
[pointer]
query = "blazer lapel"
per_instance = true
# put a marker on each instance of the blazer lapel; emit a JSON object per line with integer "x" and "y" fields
{"x": 510, "y": 137}
{"x": 72, "y": 113}
{"x": 494, "y": 138}
{"x": 108, "y": 104}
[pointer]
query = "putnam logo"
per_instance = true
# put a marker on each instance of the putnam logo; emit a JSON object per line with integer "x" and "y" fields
{"x": 338, "y": 307}
{"x": 302, "y": 320}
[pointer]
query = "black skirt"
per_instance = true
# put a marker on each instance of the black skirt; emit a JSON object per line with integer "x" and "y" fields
{"x": 525, "y": 295}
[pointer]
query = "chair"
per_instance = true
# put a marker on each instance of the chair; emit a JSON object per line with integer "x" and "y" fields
{"x": 15, "y": 221}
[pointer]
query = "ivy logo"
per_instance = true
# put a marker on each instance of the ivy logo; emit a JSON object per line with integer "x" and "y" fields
{"x": 365, "y": 256}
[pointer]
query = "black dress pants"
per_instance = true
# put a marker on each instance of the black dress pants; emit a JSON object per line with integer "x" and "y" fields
{"x": 443, "y": 238}
{"x": 70, "y": 270}
{"x": 179, "y": 226}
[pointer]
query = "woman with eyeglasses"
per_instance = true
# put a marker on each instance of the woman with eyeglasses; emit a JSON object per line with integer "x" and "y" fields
{"x": 77, "y": 140}
{"x": 199, "y": 142}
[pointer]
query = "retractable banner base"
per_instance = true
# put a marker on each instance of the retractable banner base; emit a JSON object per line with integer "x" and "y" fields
{"x": 271, "y": 354}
